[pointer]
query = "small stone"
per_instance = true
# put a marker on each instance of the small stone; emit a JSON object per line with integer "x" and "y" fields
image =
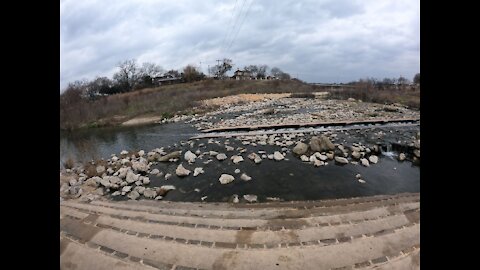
{"x": 141, "y": 153}
{"x": 236, "y": 159}
{"x": 237, "y": 170}
{"x": 358, "y": 176}
{"x": 116, "y": 193}
{"x": 226, "y": 178}
{"x": 196, "y": 190}
{"x": 197, "y": 171}
{"x": 221, "y": 156}
{"x": 213, "y": 153}
{"x": 365, "y": 162}
{"x": 356, "y": 155}
{"x": 300, "y": 149}
{"x": 270, "y": 156}
{"x": 373, "y": 159}
{"x": 235, "y": 198}
{"x": 167, "y": 176}
{"x": 155, "y": 171}
{"x": 124, "y": 152}
{"x": 181, "y": 171}
{"x": 304, "y": 158}
{"x": 158, "y": 198}
{"x": 250, "y": 198}
{"x": 401, "y": 157}
{"x": 204, "y": 198}
{"x": 189, "y": 156}
{"x": 100, "y": 169}
{"x": 245, "y": 177}
{"x": 229, "y": 148}
{"x": 361, "y": 181}
{"x": 133, "y": 195}
{"x": 146, "y": 180}
{"x": 278, "y": 156}
{"x": 341, "y": 160}
{"x": 318, "y": 163}
{"x": 149, "y": 193}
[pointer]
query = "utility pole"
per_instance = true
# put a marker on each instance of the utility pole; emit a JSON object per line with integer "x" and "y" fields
{"x": 218, "y": 69}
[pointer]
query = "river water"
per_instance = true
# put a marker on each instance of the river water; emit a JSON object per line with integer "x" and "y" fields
{"x": 288, "y": 180}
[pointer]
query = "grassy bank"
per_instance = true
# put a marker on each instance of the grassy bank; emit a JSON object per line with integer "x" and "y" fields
{"x": 408, "y": 97}
{"x": 164, "y": 101}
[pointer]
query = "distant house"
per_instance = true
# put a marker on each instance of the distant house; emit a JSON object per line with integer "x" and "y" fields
{"x": 167, "y": 79}
{"x": 242, "y": 75}
{"x": 272, "y": 78}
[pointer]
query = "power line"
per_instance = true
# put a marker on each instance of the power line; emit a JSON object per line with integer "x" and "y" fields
{"x": 241, "y": 24}
{"x": 229, "y": 24}
{"x": 235, "y": 23}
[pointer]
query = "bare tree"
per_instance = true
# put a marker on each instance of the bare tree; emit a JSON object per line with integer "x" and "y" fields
{"x": 253, "y": 69}
{"x": 221, "y": 69}
{"x": 190, "y": 73}
{"x": 416, "y": 79}
{"x": 262, "y": 71}
{"x": 151, "y": 70}
{"x": 280, "y": 74}
{"x": 127, "y": 76}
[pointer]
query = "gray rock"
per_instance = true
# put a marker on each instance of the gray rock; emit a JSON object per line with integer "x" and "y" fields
{"x": 341, "y": 160}
{"x": 133, "y": 195}
{"x": 250, "y": 198}
{"x": 373, "y": 159}
{"x": 304, "y": 158}
{"x": 105, "y": 183}
{"x": 64, "y": 188}
{"x": 229, "y": 148}
{"x": 401, "y": 157}
{"x": 100, "y": 169}
{"x": 122, "y": 172}
{"x": 197, "y": 171}
{"x": 138, "y": 183}
{"x": 321, "y": 157}
{"x": 237, "y": 170}
{"x": 321, "y": 144}
{"x": 236, "y": 159}
{"x": 361, "y": 181}
{"x": 72, "y": 182}
{"x": 356, "y": 155}
{"x": 126, "y": 188}
{"x": 167, "y": 176}
{"x": 146, "y": 180}
{"x": 172, "y": 155}
{"x": 226, "y": 178}
{"x": 235, "y": 198}
{"x": 139, "y": 166}
{"x": 155, "y": 171}
{"x": 365, "y": 162}
{"x": 158, "y": 198}
{"x": 278, "y": 156}
{"x": 131, "y": 177}
{"x": 139, "y": 189}
{"x": 245, "y": 177}
{"x": 318, "y": 163}
{"x": 116, "y": 193}
{"x": 221, "y": 156}
{"x": 149, "y": 193}
{"x": 124, "y": 152}
{"x": 141, "y": 153}
{"x": 416, "y": 152}
{"x": 300, "y": 149}
{"x": 189, "y": 156}
{"x": 99, "y": 191}
{"x": 213, "y": 153}
{"x": 181, "y": 171}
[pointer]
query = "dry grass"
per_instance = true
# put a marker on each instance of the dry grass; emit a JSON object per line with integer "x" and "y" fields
{"x": 164, "y": 101}
{"x": 408, "y": 97}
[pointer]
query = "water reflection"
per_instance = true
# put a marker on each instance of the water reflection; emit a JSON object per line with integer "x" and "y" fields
{"x": 85, "y": 145}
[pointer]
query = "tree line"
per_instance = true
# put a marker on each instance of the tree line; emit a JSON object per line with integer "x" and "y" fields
{"x": 131, "y": 76}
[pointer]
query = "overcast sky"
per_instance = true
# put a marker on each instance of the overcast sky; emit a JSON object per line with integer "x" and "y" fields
{"x": 318, "y": 40}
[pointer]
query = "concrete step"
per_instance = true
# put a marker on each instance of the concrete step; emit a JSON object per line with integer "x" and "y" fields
{"x": 251, "y": 237}
{"x": 351, "y": 252}
{"x": 259, "y": 223}
{"x": 266, "y": 210}
{"x": 79, "y": 257}
{"x": 408, "y": 261}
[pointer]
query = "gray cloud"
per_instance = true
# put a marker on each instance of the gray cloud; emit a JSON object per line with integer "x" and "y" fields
{"x": 318, "y": 41}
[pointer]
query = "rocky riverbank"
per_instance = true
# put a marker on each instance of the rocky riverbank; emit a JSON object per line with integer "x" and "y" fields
{"x": 236, "y": 160}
